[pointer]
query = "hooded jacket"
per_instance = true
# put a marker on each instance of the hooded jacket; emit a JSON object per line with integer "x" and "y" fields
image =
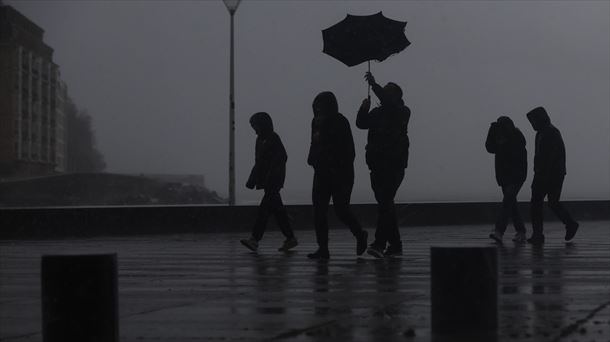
{"x": 550, "y": 153}
{"x": 387, "y": 124}
{"x": 269, "y": 171}
{"x": 332, "y": 143}
{"x": 507, "y": 143}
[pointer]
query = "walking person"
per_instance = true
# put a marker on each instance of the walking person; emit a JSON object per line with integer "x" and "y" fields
{"x": 268, "y": 173}
{"x": 387, "y": 154}
{"x": 507, "y": 143}
{"x": 549, "y": 173}
{"x": 332, "y": 154}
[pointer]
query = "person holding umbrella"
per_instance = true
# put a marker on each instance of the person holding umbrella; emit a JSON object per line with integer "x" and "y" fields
{"x": 387, "y": 154}
{"x": 332, "y": 154}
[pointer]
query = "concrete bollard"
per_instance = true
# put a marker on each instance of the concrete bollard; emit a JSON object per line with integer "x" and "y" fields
{"x": 464, "y": 289}
{"x": 80, "y": 298}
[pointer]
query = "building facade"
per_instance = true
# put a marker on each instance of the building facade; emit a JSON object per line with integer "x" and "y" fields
{"x": 32, "y": 96}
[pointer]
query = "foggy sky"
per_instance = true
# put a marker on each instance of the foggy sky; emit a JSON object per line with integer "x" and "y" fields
{"x": 154, "y": 77}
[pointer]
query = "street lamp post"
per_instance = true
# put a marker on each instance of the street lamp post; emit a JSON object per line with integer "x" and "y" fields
{"x": 232, "y": 7}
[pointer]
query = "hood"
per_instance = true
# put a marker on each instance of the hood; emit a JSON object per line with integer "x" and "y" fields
{"x": 394, "y": 94}
{"x": 539, "y": 118}
{"x": 263, "y": 123}
{"x": 325, "y": 104}
{"x": 505, "y": 124}
{"x": 507, "y": 128}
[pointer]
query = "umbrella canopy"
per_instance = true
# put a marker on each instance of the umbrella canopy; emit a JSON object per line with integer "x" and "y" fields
{"x": 361, "y": 38}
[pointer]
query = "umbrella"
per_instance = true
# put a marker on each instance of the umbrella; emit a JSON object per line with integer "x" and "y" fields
{"x": 361, "y": 38}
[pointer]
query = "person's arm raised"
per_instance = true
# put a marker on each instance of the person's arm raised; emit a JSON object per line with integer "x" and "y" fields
{"x": 363, "y": 119}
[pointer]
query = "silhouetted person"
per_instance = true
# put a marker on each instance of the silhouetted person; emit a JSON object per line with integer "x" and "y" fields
{"x": 387, "y": 154}
{"x": 332, "y": 154}
{"x": 507, "y": 143}
{"x": 549, "y": 172}
{"x": 268, "y": 173}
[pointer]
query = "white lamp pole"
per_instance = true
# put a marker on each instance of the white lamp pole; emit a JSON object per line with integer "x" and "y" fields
{"x": 232, "y": 7}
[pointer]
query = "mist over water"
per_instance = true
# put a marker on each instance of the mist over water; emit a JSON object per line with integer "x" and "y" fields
{"x": 154, "y": 77}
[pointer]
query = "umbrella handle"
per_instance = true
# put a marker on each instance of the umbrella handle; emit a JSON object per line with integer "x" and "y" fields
{"x": 369, "y": 86}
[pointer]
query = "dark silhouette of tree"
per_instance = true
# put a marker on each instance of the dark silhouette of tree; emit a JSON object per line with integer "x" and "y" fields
{"x": 82, "y": 153}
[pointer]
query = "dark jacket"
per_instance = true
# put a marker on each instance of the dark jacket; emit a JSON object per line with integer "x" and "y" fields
{"x": 508, "y": 144}
{"x": 332, "y": 143}
{"x": 550, "y": 153}
{"x": 388, "y": 142}
{"x": 269, "y": 169}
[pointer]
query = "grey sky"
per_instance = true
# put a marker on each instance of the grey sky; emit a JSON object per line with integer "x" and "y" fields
{"x": 154, "y": 76}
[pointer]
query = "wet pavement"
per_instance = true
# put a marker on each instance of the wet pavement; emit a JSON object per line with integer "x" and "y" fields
{"x": 207, "y": 287}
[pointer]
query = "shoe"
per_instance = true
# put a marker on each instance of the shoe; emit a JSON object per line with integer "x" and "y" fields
{"x": 393, "y": 250}
{"x": 361, "y": 242}
{"x": 320, "y": 254}
{"x": 250, "y": 243}
{"x": 496, "y": 236}
{"x": 571, "y": 229}
{"x": 536, "y": 239}
{"x": 519, "y": 238}
{"x": 288, "y": 244}
{"x": 375, "y": 251}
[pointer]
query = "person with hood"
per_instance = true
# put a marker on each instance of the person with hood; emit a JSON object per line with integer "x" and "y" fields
{"x": 268, "y": 173}
{"x": 387, "y": 155}
{"x": 331, "y": 154}
{"x": 549, "y": 173}
{"x": 507, "y": 143}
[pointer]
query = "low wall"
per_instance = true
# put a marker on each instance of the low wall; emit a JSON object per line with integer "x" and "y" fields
{"x": 77, "y": 222}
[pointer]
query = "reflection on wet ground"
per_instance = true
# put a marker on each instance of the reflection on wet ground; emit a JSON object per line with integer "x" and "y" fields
{"x": 208, "y": 287}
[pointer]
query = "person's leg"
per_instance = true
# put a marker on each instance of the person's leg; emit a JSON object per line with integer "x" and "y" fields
{"x": 342, "y": 185}
{"x": 393, "y": 232}
{"x": 385, "y": 184}
{"x": 321, "y": 198}
{"x": 538, "y": 194}
{"x": 378, "y": 185}
{"x": 281, "y": 216}
{"x": 264, "y": 210}
{"x": 516, "y": 215}
{"x": 345, "y": 215}
{"x": 555, "y": 186}
{"x": 260, "y": 224}
{"x": 341, "y": 192}
{"x": 509, "y": 209}
{"x": 505, "y": 210}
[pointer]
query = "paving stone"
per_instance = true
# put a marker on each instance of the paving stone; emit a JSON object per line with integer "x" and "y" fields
{"x": 207, "y": 287}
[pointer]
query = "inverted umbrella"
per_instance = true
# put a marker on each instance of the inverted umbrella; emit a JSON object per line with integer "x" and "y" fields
{"x": 361, "y": 38}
